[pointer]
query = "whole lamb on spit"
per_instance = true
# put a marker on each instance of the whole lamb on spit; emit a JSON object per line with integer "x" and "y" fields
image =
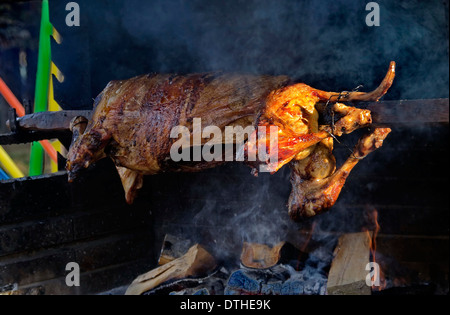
{"x": 133, "y": 122}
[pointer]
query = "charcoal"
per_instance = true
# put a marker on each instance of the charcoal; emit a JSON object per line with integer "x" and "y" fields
{"x": 279, "y": 280}
{"x": 213, "y": 284}
{"x": 241, "y": 282}
{"x": 191, "y": 291}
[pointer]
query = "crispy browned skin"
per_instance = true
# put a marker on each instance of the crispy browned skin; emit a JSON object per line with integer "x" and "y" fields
{"x": 294, "y": 110}
{"x": 133, "y": 119}
{"x": 308, "y": 147}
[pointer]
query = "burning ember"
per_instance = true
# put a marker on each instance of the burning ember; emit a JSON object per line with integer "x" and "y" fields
{"x": 281, "y": 269}
{"x": 377, "y": 279}
{"x": 319, "y": 263}
{"x": 282, "y": 279}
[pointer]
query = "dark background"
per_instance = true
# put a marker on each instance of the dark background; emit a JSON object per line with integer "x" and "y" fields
{"x": 325, "y": 44}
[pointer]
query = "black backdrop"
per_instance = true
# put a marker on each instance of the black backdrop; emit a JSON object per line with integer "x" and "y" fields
{"x": 326, "y": 44}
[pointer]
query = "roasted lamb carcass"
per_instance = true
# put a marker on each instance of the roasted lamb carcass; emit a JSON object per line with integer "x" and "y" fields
{"x": 133, "y": 120}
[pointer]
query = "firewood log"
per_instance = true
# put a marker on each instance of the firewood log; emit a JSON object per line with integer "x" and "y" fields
{"x": 173, "y": 248}
{"x": 261, "y": 256}
{"x": 348, "y": 272}
{"x": 196, "y": 262}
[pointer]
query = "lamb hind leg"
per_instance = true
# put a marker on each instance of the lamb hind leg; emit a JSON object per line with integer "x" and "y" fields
{"x": 314, "y": 196}
{"x": 352, "y": 118}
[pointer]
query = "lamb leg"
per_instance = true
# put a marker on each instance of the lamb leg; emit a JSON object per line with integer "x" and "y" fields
{"x": 352, "y": 118}
{"x": 311, "y": 196}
